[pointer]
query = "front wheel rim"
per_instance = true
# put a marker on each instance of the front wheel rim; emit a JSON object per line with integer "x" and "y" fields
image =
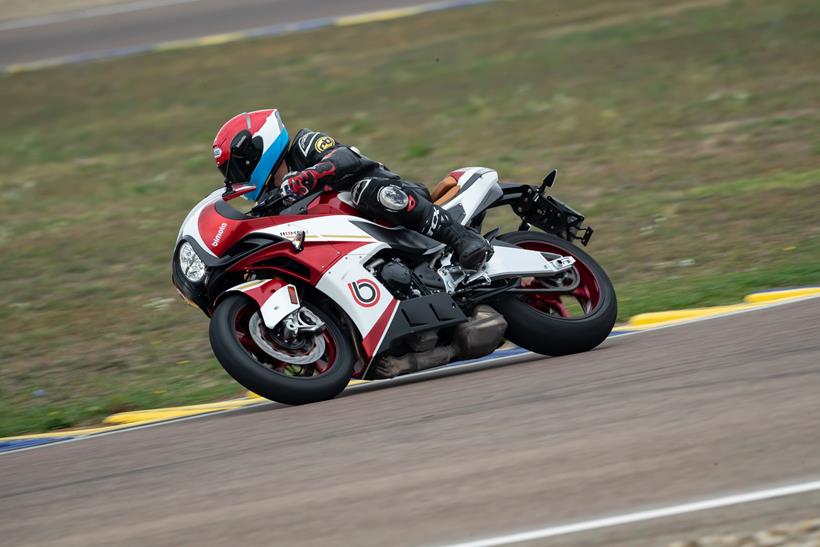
{"x": 319, "y": 367}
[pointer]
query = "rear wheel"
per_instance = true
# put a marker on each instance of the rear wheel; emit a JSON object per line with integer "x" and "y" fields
{"x": 310, "y": 367}
{"x": 565, "y": 314}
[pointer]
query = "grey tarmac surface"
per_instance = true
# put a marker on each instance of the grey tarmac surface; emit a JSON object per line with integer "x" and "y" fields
{"x": 660, "y": 418}
{"x": 171, "y": 22}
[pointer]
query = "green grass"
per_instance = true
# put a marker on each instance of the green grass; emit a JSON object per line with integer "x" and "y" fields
{"x": 690, "y": 136}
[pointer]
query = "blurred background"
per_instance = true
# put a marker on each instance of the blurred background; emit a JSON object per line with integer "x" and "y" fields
{"x": 687, "y": 131}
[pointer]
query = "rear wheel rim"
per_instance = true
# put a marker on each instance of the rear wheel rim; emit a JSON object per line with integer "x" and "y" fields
{"x": 586, "y": 297}
{"x": 320, "y": 367}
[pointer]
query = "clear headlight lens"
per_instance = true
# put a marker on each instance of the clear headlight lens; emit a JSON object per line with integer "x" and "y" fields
{"x": 192, "y": 266}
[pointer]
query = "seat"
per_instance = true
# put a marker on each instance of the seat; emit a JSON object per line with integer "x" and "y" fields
{"x": 446, "y": 190}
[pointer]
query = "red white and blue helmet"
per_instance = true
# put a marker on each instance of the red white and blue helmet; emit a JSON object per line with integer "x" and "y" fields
{"x": 249, "y": 148}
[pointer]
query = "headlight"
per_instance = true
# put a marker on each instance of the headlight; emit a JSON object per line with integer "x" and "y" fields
{"x": 192, "y": 266}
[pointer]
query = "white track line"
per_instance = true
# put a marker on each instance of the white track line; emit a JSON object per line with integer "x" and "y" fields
{"x": 640, "y": 516}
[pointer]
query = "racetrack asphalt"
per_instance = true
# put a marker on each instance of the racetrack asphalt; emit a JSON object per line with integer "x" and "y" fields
{"x": 38, "y": 39}
{"x": 688, "y": 412}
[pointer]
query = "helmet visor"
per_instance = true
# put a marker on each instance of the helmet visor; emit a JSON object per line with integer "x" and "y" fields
{"x": 243, "y": 159}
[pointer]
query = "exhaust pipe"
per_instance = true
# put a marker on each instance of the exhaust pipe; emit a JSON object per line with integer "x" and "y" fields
{"x": 477, "y": 337}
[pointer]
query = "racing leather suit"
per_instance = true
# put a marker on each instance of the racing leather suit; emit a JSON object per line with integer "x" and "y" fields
{"x": 322, "y": 164}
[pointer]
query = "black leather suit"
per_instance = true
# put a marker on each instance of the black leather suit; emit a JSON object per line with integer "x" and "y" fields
{"x": 318, "y": 163}
{"x": 324, "y": 164}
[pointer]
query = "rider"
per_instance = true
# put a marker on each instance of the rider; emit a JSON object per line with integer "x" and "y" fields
{"x": 254, "y": 148}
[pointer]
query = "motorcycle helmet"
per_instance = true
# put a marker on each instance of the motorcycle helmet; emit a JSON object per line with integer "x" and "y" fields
{"x": 249, "y": 148}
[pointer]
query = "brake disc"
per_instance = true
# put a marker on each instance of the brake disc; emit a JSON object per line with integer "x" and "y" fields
{"x": 258, "y": 333}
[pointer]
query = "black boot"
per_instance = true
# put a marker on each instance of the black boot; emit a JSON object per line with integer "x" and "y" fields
{"x": 470, "y": 249}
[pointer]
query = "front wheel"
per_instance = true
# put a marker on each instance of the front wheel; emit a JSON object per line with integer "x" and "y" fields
{"x": 567, "y": 314}
{"x": 314, "y": 366}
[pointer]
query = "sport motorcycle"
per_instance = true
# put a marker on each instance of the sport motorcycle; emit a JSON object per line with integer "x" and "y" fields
{"x": 312, "y": 294}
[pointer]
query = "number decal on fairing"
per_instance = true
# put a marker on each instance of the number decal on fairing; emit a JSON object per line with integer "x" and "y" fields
{"x": 365, "y": 293}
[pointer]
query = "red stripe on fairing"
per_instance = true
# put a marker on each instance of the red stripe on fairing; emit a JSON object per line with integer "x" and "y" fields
{"x": 220, "y": 233}
{"x": 371, "y": 342}
{"x": 263, "y": 292}
{"x": 317, "y": 257}
{"x": 457, "y": 174}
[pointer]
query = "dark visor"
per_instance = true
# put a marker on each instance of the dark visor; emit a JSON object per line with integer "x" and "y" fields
{"x": 243, "y": 159}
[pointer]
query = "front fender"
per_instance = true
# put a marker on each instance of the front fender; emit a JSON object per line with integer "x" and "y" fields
{"x": 276, "y": 298}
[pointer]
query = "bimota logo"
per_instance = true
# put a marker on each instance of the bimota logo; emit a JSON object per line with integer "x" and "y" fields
{"x": 221, "y": 231}
{"x": 288, "y": 234}
{"x": 365, "y": 293}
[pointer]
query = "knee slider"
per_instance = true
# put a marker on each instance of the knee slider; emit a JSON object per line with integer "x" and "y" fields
{"x": 393, "y": 198}
{"x": 381, "y": 195}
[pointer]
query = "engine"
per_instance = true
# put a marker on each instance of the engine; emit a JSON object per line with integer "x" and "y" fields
{"x": 480, "y": 335}
{"x": 405, "y": 283}
{"x": 400, "y": 280}
{"x": 397, "y": 277}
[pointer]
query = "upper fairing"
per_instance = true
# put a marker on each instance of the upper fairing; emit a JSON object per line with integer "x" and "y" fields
{"x": 190, "y": 226}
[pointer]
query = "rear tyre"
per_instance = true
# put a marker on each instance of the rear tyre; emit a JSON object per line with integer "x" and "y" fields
{"x": 544, "y": 323}
{"x": 250, "y": 365}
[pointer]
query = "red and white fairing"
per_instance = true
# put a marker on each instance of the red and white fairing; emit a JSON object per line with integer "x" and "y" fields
{"x": 336, "y": 250}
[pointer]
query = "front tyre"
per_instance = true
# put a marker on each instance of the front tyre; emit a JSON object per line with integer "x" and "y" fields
{"x": 571, "y": 315}
{"x": 273, "y": 367}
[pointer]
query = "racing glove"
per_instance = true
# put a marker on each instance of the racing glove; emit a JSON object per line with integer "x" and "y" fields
{"x": 326, "y": 175}
{"x": 298, "y": 184}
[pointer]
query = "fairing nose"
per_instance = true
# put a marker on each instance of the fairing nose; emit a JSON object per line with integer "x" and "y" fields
{"x": 217, "y": 231}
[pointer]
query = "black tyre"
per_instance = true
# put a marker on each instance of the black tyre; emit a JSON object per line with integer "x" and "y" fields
{"x": 267, "y": 375}
{"x": 560, "y": 323}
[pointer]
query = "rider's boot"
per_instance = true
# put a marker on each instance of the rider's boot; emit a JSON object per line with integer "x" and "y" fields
{"x": 470, "y": 249}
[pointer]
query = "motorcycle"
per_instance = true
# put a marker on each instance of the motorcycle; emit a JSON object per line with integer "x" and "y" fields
{"x": 312, "y": 294}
